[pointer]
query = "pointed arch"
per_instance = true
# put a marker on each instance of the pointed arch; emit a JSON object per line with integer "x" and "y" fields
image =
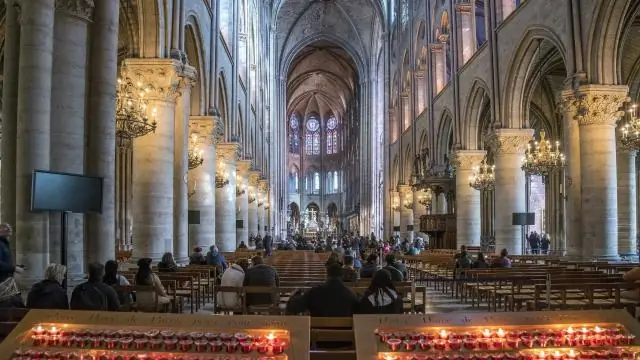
{"x": 407, "y": 167}
{"x": 443, "y": 136}
{"x": 223, "y": 103}
{"x": 151, "y": 14}
{"x": 195, "y": 56}
{"x": 476, "y": 101}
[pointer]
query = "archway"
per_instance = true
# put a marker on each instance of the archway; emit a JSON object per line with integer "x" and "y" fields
{"x": 293, "y": 220}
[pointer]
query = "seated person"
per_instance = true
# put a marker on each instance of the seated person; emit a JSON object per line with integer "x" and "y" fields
{"x": 112, "y": 278}
{"x": 632, "y": 275}
{"x": 150, "y": 300}
{"x": 349, "y": 273}
{"x": 503, "y": 261}
{"x": 480, "y": 262}
{"x": 215, "y": 258}
{"x": 393, "y": 267}
{"x": 370, "y": 267}
{"x": 334, "y": 258}
{"x": 381, "y": 297}
{"x": 197, "y": 257}
{"x": 331, "y": 299}
{"x": 260, "y": 274}
{"x": 94, "y": 294}
{"x": 232, "y": 277}
{"x": 167, "y": 264}
{"x": 49, "y": 293}
{"x": 242, "y": 246}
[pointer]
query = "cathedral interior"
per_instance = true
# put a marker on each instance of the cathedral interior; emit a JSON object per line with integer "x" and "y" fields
{"x": 213, "y": 121}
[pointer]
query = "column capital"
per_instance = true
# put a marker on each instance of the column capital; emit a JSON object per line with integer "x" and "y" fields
{"x": 227, "y": 152}
{"x": 254, "y": 178}
{"x": 595, "y": 104}
{"x": 510, "y": 141}
{"x": 263, "y": 186}
{"x": 204, "y": 127}
{"x": 188, "y": 77}
{"x": 159, "y": 77}
{"x": 243, "y": 167}
{"x": 468, "y": 159}
{"x": 465, "y": 7}
{"x": 82, "y": 9}
{"x": 403, "y": 189}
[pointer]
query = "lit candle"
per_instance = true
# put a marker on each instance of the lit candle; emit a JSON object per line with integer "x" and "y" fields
{"x": 270, "y": 338}
{"x": 584, "y": 331}
{"x": 444, "y": 334}
{"x": 486, "y": 333}
{"x": 38, "y": 330}
{"x": 500, "y": 333}
{"x": 557, "y": 356}
{"x": 597, "y": 330}
{"x": 571, "y": 354}
{"x": 53, "y": 331}
{"x": 542, "y": 355}
{"x": 570, "y": 331}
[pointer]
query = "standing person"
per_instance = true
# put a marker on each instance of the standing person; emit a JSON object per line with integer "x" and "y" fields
{"x": 267, "y": 243}
{"x": 544, "y": 243}
{"x": 49, "y": 293}
{"x": 534, "y": 242}
{"x": 9, "y": 293}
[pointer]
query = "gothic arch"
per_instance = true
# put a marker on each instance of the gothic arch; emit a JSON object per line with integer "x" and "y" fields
{"x": 443, "y": 136}
{"x": 223, "y": 103}
{"x": 151, "y": 28}
{"x": 513, "y": 113}
{"x": 195, "y": 55}
{"x": 475, "y": 103}
{"x": 408, "y": 163}
{"x": 395, "y": 171}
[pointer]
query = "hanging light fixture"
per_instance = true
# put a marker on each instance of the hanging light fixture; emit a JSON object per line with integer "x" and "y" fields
{"x": 222, "y": 179}
{"x": 629, "y": 126}
{"x": 252, "y": 198}
{"x": 543, "y": 158}
{"x": 408, "y": 201}
{"x": 196, "y": 157}
{"x": 133, "y": 116}
{"x": 240, "y": 189}
{"x": 426, "y": 198}
{"x": 395, "y": 206}
{"x": 483, "y": 178}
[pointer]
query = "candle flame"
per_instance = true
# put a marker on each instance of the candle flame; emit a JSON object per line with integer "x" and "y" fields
{"x": 570, "y": 330}
{"x": 597, "y": 329}
{"x": 39, "y": 328}
{"x": 572, "y": 353}
{"x": 556, "y": 354}
{"x": 500, "y": 333}
{"x": 271, "y": 336}
{"x": 486, "y": 333}
{"x": 584, "y": 330}
{"x": 53, "y": 329}
{"x": 443, "y": 334}
{"x": 541, "y": 354}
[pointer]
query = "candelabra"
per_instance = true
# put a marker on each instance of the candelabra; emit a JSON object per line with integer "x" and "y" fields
{"x": 252, "y": 198}
{"x": 408, "y": 201}
{"x": 132, "y": 112}
{"x": 395, "y": 206}
{"x": 240, "y": 190}
{"x": 630, "y": 128}
{"x": 196, "y": 157}
{"x": 483, "y": 177}
{"x": 543, "y": 158}
{"x": 222, "y": 180}
{"x": 426, "y": 198}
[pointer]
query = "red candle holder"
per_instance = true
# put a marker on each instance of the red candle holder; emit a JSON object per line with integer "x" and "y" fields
{"x": 110, "y": 343}
{"x": 440, "y": 344}
{"x": 196, "y": 335}
{"x": 455, "y": 344}
{"x": 587, "y": 354}
{"x": 225, "y": 336}
{"x": 596, "y": 340}
{"x": 96, "y": 341}
{"x": 185, "y": 345}
{"x": 231, "y": 346}
{"x": 394, "y": 344}
{"x": 241, "y": 337}
{"x": 216, "y": 345}
{"x": 125, "y": 342}
{"x": 95, "y": 333}
{"x": 484, "y": 344}
{"x": 279, "y": 348}
{"x": 201, "y": 345}
{"x": 170, "y": 344}
{"x": 140, "y": 343}
{"x": 584, "y": 340}
{"x": 513, "y": 343}
{"x": 155, "y": 343}
{"x": 104, "y": 356}
{"x": 83, "y": 342}
{"x": 498, "y": 343}
{"x": 424, "y": 344}
{"x": 124, "y": 333}
{"x": 182, "y": 335}
{"x": 137, "y": 334}
{"x": 410, "y": 345}
{"x": 109, "y": 334}
{"x": 262, "y": 347}
{"x": 151, "y": 333}
{"x": 37, "y": 340}
{"x": 383, "y": 336}
{"x": 556, "y": 341}
{"x": 167, "y": 334}
{"x": 246, "y": 346}
{"x": 430, "y": 336}
{"x": 542, "y": 341}
{"x": 211, "y": 336}
{"x": 470, "y": 344}
{"x": 527, "y": 341}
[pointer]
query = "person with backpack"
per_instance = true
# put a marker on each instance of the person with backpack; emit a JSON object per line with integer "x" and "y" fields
{"x": 95, "y": 294}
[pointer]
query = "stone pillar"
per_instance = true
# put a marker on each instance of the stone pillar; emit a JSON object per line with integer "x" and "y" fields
{"x": 180, "y": 166}
{"x": 33, "y": 133}
{"x": 468, "y": 217}
{"x": 597, "y": 108}
{"x": 153, "y": 155}
{"x": 395, "y": 212}
{"x": 627, "y": 204}
{"x": 406, "y": 211}
{"x": 101, "y": 130}
{"x": 263, "y": 197}
{"x": 254, "y": 179}
{"x": 226, "y": 197}
{"x": 441, "y": 203}
{"x": 67, "y": 154}
{"x": 10, "y": 116}
{"x": 242, "y": 200}
{"x": 201, "y": 183}
{"x": 509, "y": 146}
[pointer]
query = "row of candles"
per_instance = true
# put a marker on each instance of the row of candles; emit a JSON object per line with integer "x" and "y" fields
{"x": 106, "y": 355}
{"x": 615, "y": 353}
{"x": 500, "y": 339}
{"x": 155, "y": 340}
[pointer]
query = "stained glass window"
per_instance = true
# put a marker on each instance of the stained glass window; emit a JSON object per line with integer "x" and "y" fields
{"x": 294, "y": 135}
{"x": 312, "y": 137}
{"x": 332, "y": 136}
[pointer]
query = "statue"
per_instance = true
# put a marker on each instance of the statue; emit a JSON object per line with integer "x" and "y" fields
{"x": 426, "y": 161}
{"x": 417, "y": 166}
{"x": 448, "y": 169}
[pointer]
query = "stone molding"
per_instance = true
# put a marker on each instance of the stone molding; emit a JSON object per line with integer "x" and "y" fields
{"x": 204, "y": 127}
{"x": 254, "y": 178}
{"x": 510, "y": 141}
{"x": 468, "y": 159}
{"x": 263, "y": 186}
{"x": 464, "y": 8}
{"x": 436, "y": 47}
{"x": 227, "y": 152}
{"x": 82, "y": 9}
{"x": 404, "y": 189}
{"x": 188, "y": 77}
{"x": 243, "y": 167}
{"x": 160, "y": 76}
{"x": 595, "y": 104}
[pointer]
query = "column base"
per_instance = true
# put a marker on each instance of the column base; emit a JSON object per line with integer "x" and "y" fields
{"x": 630, "y": 257}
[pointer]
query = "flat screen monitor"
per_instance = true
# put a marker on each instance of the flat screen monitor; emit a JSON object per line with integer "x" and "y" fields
{"x": 53, "y": 191}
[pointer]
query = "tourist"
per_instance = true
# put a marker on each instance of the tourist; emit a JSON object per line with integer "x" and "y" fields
{"x": 94, "y": 294}
{"x": 233, "y": 277}
{"x": 397, "y": 272}
{"x": 167, "y": 264}
{"x": 215, "y": 258}
{"x": 370, "y": 267}
{"x": 9, "y": 293}
{"x": 267, "y": 243}
{"x": 334, "y": 258}
{"x": 260, "y": 274}
{"x": 49, "y": 293}
{"x": 503, "y": 261}
{"x": 331, "y": 299}
{"x": 156, "y": 298}
{"x": 544, "y": 243}
{"x": 197, "y": 257}
{"x": 480, "y": 262}
{"x": 381, "y": 297}
{"x": 113, "y": 279}
{"x": 349, "y": 273}
{"x": 463, "y": 260}
{"x": 242, "y": 246}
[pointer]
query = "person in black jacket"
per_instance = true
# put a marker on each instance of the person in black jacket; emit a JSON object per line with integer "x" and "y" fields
{"x": 49, "y": 293}
{"x": 9, "y": 292}
{"x": 381, "y": 297}
{"x": 267, "y": 243}
{"x": 94, "y": 294}
{"x": 393, "y": 267}
{"x": 167, "y": 264}
{"x": 260, "y": 274}
{"x": 370, "y": 267}
{"x": 331, "y": 299}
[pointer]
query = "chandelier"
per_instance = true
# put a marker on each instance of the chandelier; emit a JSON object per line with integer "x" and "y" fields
{"x": 196, "y": 157}
{"x": 260, "y": 202}
{"x": 266, "y": 206}
{"x": 483, "y": 178}
{"x": 408, "y": 201}
{"x": 132, "y": 114}
{"x": 630, "y": 129}
{"x": 240, "y": 190}
{"x": 426, "y": 198}
{"x": 395, "y": 206}
{"x": 252, "y": 198}
{"x": 543, "y": 158}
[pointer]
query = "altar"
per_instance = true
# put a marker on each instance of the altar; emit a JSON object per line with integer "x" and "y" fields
{"x": 310, "y": 224}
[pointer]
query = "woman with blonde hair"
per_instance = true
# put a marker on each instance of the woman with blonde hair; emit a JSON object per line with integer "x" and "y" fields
{"x": 49, "y": 293}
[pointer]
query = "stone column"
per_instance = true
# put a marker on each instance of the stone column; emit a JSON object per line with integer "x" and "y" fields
{"x": 180, "y": 166}
{"x": 441, "y": 203}
{"x": 395, "y": 213}
{"x": 153, "y": 155}
{"x": 10, "y": 116}
{"x": 69, "y": 82}
{"x": 226, "y": 197}
{"x": 597, "y": 108}
{"x": 627, "y": 204}
{"x": 33, "y": 133}
{"x": 406, "y": 214}
{"x": 509, "y": 146}
{"x": 242, "y": 200}
{"x": 101, "y": 130}
{"x": 201, "y": 183}
{"x": 467, "y": 198}
{"x": 252, "y": 222}
{"x": 263, "y": 197}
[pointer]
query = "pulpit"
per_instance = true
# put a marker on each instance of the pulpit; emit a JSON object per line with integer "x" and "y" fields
{"x": 441, "y": 229}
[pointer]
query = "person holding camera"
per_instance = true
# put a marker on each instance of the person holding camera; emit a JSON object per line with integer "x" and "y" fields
{"x": 9, "y": 292}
